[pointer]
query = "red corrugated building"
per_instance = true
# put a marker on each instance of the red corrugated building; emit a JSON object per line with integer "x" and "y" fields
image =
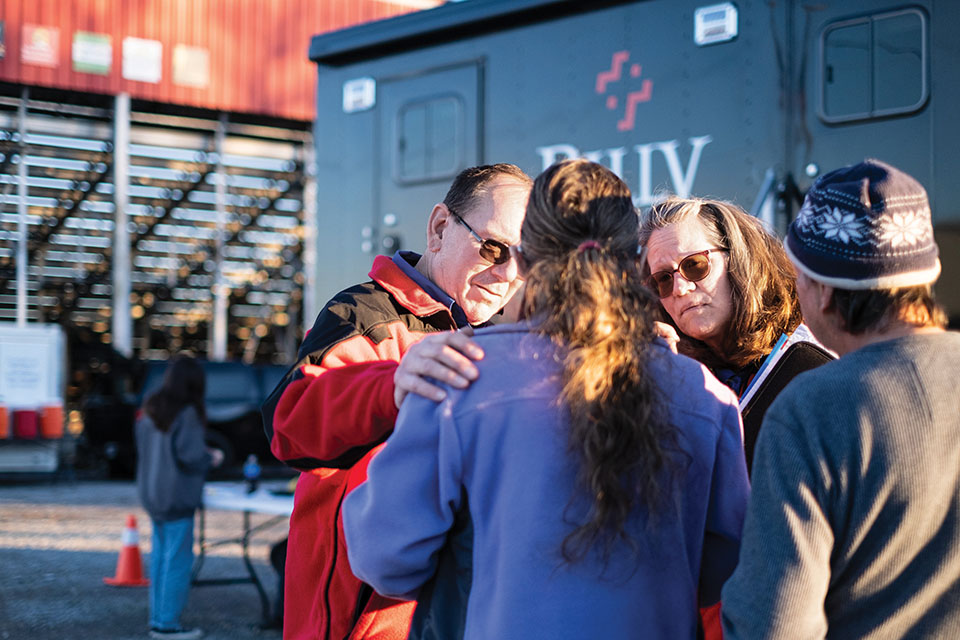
{"x": 227, "y": 55}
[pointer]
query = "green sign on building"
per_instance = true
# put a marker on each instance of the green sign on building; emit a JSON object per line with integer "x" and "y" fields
{"x": 92, "y": 53}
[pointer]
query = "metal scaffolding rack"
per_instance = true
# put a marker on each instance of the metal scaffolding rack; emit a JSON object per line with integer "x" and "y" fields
{"x": 211, "y": 255}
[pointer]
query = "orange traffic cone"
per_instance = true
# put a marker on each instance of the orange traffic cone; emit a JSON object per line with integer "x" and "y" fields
{"x": 129, "y": 564}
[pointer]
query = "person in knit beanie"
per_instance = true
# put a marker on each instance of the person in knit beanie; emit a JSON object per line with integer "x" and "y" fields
{"x": 853, "y": 526}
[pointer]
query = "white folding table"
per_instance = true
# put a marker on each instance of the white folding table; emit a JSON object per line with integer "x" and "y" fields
{"x": 233, "y": 496}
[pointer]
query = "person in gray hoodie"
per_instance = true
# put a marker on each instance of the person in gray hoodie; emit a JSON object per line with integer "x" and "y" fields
{"x": 172, "y": 462}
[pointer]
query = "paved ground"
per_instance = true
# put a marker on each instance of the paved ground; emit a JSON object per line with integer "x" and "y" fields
{"x": 58, "y": 542}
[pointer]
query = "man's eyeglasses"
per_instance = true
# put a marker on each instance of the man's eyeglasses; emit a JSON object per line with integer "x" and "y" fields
{"x": 694, "y": 268}
{"x": 490, "y": 250}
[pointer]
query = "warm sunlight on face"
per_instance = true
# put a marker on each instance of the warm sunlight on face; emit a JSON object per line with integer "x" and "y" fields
{"x": 703, "y": 309}
{"x": 479, "y": 287}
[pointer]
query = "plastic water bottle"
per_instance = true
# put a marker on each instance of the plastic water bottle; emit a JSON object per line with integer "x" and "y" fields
{"x": 251, "y": 472}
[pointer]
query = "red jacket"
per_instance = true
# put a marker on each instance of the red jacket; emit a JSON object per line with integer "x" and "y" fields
{"x": 328, "y": 420}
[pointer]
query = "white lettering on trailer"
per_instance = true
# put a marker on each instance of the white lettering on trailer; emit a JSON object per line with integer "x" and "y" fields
{"x": 616, "y": 158}
{"x": 643, "y": 190}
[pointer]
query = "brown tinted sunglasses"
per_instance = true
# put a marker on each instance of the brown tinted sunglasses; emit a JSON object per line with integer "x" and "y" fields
{"x": 490, "y": 250}
{"x": 694, "y": 268}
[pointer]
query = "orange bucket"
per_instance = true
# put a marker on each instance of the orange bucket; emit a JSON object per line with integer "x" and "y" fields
{"x": 51, "y": 422}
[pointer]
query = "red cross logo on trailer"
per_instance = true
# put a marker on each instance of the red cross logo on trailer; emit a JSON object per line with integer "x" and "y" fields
{"x": 613, "y": 74}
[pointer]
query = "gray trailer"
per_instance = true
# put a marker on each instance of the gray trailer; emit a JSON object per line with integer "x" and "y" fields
{"x": 747, "y": 101}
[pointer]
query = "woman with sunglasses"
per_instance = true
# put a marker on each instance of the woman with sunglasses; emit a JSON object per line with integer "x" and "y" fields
{"x": 729, "y": 295}
{"x": 726, "y": 285}
{"x": 589, "y": 483}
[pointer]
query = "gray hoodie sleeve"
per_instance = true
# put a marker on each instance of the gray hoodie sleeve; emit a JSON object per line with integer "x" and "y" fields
{"x": 189, "y": 449}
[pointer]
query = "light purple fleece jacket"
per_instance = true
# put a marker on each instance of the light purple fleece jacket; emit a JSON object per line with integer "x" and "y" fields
{"x": 499, "y": 450}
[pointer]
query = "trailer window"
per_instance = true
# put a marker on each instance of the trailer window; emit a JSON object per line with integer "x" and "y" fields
{"x": 429, "y": 139}
{"x": 873, "y": 66}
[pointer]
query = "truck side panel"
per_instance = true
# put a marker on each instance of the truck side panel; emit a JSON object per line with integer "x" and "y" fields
{"x": 626, "y": 84}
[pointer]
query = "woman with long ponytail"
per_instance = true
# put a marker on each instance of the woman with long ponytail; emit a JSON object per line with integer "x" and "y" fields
{"x": 589, "y": 483}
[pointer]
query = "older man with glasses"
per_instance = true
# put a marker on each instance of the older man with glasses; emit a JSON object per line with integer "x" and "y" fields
{"x": 371, "y": 345}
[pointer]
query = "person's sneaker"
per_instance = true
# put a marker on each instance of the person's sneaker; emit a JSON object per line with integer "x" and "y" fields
{"x": 176, "y": 634}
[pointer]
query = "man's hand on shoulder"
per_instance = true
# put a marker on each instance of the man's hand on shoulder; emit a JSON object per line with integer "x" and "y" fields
{"x": 668, "y": 334}
{"x": 447, "y": 357}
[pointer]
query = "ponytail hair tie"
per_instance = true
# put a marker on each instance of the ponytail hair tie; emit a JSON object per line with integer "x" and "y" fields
{"x": 588, "y": 244}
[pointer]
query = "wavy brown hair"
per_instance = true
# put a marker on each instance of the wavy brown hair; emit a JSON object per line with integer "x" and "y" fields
{"x": 579, "y": 242}
{"x": 763, "y": 282}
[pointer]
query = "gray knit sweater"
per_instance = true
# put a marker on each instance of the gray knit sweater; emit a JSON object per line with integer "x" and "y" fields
{"x": 853, "y": 528}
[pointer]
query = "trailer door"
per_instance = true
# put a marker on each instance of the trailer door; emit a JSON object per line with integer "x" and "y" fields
{"x": 867, "y": 87}
{"x": 429, "y": 127}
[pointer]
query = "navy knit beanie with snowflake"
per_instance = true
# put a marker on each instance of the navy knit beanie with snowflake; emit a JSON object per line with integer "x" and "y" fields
{"x": 866, "y": 226}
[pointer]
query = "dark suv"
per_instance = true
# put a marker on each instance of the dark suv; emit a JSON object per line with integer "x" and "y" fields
{"x": 234, "y": 394}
